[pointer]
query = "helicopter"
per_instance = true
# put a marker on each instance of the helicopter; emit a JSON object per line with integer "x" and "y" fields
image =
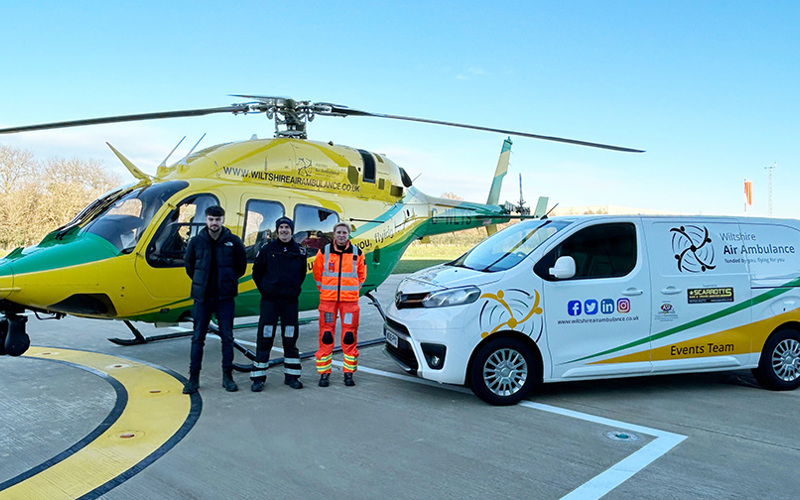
{"x": 121, "y": 257}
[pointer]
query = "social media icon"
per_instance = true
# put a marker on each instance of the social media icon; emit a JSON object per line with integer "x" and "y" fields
{"x": 590, "y": 306}
{"x": 574, "y": 307}
{"x": 607, "y": 306}
{"x": 624, "y": 306}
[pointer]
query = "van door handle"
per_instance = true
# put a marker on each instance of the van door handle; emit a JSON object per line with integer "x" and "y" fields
{"x": 631, "y": 292}
{"x": 670, "y": 290}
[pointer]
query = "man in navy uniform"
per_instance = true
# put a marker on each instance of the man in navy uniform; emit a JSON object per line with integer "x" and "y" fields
{"x": 278, "y": 272}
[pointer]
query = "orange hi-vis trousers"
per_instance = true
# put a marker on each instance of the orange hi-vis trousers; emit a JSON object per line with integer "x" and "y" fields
{"x": 348, "y": 312}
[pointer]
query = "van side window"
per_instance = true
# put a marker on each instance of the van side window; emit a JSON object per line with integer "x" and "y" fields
{"x": 313, "y": 226}
{"x": 600, "y": 251}
{"x": 259, "y": 225}
{"x": 168, "y": 246}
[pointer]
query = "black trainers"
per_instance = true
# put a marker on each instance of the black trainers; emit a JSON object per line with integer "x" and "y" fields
{"x": 257, "y": 386}
{"x": 228, "y": 383}
{"x": 191, "y": 386}
{"x": 293, "y": 381}
{"x": 348, "y": 380}
{"x": 325, "y": 380}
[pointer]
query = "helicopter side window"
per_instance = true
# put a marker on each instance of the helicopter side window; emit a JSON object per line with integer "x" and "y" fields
{"x": 313, "y": 226}
{"x": 168, "y": 246}
{"x": 259, "y": 225}
{"x": 369, "y": 166}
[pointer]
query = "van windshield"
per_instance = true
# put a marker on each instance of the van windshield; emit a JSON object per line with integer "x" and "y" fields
{"x": 507, "y": 248}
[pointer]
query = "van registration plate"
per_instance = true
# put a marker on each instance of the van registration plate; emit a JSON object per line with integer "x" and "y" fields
{"x": 391, "y": 338}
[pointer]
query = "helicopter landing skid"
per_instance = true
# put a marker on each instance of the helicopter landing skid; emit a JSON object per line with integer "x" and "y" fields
{"x": 138, "y": 338}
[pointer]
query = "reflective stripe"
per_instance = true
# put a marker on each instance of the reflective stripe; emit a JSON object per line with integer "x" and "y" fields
{"x": 292, "y": 371}
{"x": 319, "y": 284}
{"x": 325, "y": 358}
{"x": 261, "y": 373}
{"x": 264, "y": 365}
{"x": 352, "y": 368}
{"x": 287, "y": 361}
{"x": 354, "y": 288}
{"x": 289, "y": 332}
{"x": 326, "y": 274}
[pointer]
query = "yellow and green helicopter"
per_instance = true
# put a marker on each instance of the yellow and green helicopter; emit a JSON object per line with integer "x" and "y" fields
{"x": 121, "y": 257}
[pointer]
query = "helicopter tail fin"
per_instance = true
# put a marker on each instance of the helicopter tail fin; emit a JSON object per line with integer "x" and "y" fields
{"x": 497, "y": 182}
{"x": 541, "y": 206}
{"x": 499, "y": 173}
{"x": 133, "y": 169}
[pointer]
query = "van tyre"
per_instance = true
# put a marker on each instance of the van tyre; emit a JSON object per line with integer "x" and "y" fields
{"x": 503, "y": 371}
{"x": 779, "y": 366}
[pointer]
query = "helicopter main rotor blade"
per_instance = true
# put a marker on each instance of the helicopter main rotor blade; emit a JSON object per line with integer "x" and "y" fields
{"x": 338, "y": 110}
{"x": 233, "y": 108}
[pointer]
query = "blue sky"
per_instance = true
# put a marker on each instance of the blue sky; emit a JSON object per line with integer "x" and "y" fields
{"x": 708, "y": 88}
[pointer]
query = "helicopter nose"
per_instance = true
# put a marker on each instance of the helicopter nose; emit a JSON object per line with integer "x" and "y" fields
{"x": 6, "y": 280}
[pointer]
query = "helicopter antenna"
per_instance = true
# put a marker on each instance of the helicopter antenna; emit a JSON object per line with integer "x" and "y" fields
{"x": 164, "y": 162}
{"x": 521, "y": 208}
{"x": 195, "y": 145}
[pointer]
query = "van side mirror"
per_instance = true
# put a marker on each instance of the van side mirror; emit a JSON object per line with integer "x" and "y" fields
{"x": 564, "y": 268}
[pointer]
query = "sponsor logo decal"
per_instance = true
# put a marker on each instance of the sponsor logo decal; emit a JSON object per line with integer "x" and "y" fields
{"x": 709, "y": 295}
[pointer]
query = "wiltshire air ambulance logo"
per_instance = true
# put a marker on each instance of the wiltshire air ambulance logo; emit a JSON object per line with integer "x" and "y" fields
{"x": 512, "y": 310}
{"x": 692, "y": 248}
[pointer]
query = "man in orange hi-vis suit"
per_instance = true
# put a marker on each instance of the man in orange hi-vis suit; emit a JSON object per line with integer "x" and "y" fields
{"x": 339, "y": 271}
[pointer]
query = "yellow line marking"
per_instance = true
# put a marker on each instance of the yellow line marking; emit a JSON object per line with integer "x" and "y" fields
{"x": 155, "y": 411}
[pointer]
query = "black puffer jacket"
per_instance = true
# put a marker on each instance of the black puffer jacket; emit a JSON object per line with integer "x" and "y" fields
{"x": 230, "y": 258}
{"x": 279, "y": 269}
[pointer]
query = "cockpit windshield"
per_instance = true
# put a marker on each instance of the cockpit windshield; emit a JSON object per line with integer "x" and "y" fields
{"x": 505, "y": 249}
{"x": 123, "y": 220}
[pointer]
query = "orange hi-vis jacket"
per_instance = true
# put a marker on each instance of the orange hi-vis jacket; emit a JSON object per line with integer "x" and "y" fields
{"x": 339, "y": 275}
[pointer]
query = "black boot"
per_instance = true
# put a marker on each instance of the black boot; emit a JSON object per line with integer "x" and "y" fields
{"x": 292, "y": 381}
{"x": 228, "y": 383}
{"x": 324, "y": 380}
{"x": 191, "y": 386}
{"x": 257, "y": 386}
{"x": 348, "y": 380}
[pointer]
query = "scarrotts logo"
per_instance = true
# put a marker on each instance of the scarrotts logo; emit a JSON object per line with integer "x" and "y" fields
{"x": 692, "y": 248}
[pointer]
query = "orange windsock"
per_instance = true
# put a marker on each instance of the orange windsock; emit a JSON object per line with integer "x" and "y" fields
{"x": 748, "y": 192}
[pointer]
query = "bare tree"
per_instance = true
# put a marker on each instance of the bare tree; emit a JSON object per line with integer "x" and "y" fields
{"x": 36, "y": 197}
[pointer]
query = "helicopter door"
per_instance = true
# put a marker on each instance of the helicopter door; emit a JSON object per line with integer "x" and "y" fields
{"x": 162, "y": 270}
{"x": 259, "y": 224}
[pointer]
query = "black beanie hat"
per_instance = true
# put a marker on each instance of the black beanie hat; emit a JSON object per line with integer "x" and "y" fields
{"x": 284, "y": 220}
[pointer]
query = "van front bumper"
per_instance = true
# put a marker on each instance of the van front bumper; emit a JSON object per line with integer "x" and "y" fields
{"x": 434, "y": 344}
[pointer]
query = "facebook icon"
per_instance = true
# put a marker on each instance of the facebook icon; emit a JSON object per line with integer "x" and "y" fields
{"x": 574, "y": 307}
{"x": 607, "y": 306}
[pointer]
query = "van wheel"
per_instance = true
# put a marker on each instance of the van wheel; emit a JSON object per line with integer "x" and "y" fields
{"x": 503, "y": 372}
{"x": 779, "y": 366}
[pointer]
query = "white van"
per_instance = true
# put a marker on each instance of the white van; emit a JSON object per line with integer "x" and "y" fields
{"x": 588, "y": 297}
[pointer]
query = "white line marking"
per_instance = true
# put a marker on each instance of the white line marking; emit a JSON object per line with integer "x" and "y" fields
{"x": 599, "y": 485}
{"x": 607, "y": 480}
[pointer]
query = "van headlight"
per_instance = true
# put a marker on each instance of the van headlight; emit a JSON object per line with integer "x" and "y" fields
{"x": 452, "y": 297}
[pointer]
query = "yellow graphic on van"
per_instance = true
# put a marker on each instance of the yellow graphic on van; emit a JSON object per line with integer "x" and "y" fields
{"x": 744, "y": 339}
{"x": 507, "y": 307}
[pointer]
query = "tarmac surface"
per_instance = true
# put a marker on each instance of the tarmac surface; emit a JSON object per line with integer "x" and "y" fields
{"x": 81, "y": 416}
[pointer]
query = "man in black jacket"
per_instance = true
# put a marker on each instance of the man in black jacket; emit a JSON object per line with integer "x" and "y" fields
{"x": 215, "y": 260}
{"x": 278, "y": 272}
